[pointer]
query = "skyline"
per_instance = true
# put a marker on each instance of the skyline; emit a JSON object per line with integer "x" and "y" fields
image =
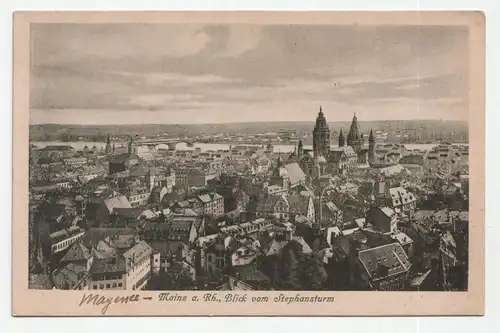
{"x": 93, "y": 74}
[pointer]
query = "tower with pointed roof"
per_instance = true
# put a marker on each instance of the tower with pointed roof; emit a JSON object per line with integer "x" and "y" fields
{"x": 371, "y": 147}
{"x": 107, "y": 150}
{"x": 300, "y": 150}
{"x": 321, "y": 136}
{"x": 354, "y": 137}
{"x": 131, "y": 146}
{"x": 341, "y": 139}
{"x": 280, "y": 175}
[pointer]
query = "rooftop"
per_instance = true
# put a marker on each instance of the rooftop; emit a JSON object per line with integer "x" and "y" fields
{"x": 383, "y": 261}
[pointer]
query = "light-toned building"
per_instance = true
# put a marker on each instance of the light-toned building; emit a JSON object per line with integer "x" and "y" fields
{"x": 402, "y": 200}
{"x": 212, "y": 204}
{"x": 138, "y": 197}
{"x": 63, "y": 239}
{"x": 75, "y": 161}
{"x": 129, "y": 271}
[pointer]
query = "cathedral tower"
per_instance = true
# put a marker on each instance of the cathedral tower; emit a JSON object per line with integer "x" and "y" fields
{"x": 354, "y": 137}
{"x": 321, "y": 136}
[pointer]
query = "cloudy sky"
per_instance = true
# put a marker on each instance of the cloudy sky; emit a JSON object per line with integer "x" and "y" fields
{"x": 136, "y": 73}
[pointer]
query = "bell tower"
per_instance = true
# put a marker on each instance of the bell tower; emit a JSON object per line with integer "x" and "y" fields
{"x": 321, "y": 136}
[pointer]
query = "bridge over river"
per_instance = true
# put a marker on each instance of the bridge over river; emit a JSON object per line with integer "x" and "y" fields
{"x": 171, "y": 143}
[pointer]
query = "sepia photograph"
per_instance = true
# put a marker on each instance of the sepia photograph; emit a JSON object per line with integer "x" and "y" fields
{"x": 226, "y": 157}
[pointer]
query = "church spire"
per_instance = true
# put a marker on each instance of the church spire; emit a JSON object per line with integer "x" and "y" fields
{"x": 341, "y": 139}
{"x": 371, "y": 137}
{"x": 371, "y": 147}
{"x": 107, "y": 150}
{"x": 300, "y": 151}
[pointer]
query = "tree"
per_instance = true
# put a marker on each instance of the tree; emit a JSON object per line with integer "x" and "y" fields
{"x": 298, "y": 271}
{"x": 312, "y": 274}
{"x": 288, "y": 267}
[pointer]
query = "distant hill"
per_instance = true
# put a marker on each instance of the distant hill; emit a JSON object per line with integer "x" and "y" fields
{"x": 48, "y": 132}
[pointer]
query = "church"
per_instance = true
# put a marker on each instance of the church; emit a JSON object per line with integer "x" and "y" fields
{"x": 120, "y": 161}
{"x": 324, "y": 158}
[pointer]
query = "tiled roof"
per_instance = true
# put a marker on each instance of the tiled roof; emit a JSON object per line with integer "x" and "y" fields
{"x": 348, "y": 151}
{"x": 412, "y": 159}
{"x": 94, "y": 235}
{"x": 138, "y": 252}
{"x": 388, "y": 211}
{"x": 110, "y": 265}
{"x": 335, "y": 156}
{"x": 295, "y": 173}
{"x": 119, "y": 201}
{"x": 384, "y": 261}
{"x": 267, "y": 204}
{"x": 393, "y": 169}
{"x": 56, "y": 148}
{"x": 305, "y": 247}
{"x": 123, "y": 158}
{"x": 77, "y": 252}
{"x": 248, "y": 273}
{"x": 129, "y": 213}
{"x": 400, "y": 196}
{"x": 298, "y": 204}
{"x": 68, "y": 277}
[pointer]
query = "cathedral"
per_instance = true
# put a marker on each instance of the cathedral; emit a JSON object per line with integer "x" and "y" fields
{"x": 325, "y": 158}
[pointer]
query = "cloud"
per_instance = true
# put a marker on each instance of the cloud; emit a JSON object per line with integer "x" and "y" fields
{"x": 241, "y": 39}
{"x": 59, "y": 44}
{"x": 192, "y": 71}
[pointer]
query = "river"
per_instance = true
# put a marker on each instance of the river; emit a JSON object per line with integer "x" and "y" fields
{"x": 79, "y": 145}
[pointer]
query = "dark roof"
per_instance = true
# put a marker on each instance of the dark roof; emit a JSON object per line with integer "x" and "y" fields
{"x": 298, "y": 204}
{"x": 248, "y": 273}
{"x": 111, "y": 265}
{"x": 123, "y": 158}
{"x": 412, "y": 159}
{"x": 57, "y": 148}
{"x": 168, "y": 248}
{"x": 94, "y": 235}
{"x": 51, "y": 210}
{"x": 128, "y": 213}
{"x": 77, "y": 252}
{"x": 69, "y": 276}
{"x": 383, "y": 261}
{"x": 335, "y": 156}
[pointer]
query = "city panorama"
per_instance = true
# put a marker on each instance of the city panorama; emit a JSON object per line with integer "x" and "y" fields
{"x": 258, "y": 158}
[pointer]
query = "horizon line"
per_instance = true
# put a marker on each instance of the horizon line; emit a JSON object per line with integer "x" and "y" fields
{"x": 247, "y": 122}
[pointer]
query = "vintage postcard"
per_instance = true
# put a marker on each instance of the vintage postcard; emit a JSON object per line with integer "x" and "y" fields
{"x": 248, "y": 163}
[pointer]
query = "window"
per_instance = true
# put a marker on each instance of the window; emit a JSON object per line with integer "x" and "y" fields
{"x": 114, "y": 285}
{"x": 101, "y": 286}
{"x": 108, "y": 286}
{"x": 94, "y": 286}
{"x": 119, "y": 284}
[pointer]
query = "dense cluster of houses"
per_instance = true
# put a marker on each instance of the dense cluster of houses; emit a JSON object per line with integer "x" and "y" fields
{"x": 335, "y": 218}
